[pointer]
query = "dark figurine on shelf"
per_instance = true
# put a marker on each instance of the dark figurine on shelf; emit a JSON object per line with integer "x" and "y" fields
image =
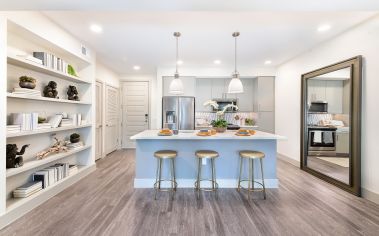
{"x": 72, "y": 93}
{"x": 74, "y": 138}
{"x": 50, "y": 90}
{"x": 14, "y": 158}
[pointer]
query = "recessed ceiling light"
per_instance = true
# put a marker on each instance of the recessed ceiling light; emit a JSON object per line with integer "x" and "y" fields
{"x": 179, "y": 62}
{"x": 136, "y": 67}
{"x": 323, "y": 28}
{"x": 268, "y": 62}
{"x": 96, "y": 28}
{"x": 217, "y": 62}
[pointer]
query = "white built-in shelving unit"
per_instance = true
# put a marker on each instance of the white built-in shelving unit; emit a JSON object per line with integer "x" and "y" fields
{"x": 20, "y": 42}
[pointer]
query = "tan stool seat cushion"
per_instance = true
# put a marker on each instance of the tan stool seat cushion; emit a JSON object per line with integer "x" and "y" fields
{"x": 252, "y": 154}
{"x": 206, "y": 154}
{"x": 165, "y": 154}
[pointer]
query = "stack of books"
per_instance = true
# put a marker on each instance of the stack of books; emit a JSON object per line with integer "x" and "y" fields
{"x": 11, "y": 129}
{"x": 51, "y": 61}
{"x": 43, "y": 126}
{"x": 27, "y": 189}
{"x": 71, "y": 146}
{"x": 73, "y": 169}
{"x": 66, "y": 122}
{"x": 76, "y": 119}
{"x": 52, "y": 174}
{"x": 27, "y": 92}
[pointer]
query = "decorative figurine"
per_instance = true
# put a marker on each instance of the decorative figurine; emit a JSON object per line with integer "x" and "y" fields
{"x": 71, "y": 71}
{"x": 74, "y": 138}
{"x": 57, "y": 147}
{"x": 27, "y": 82}
{"x": 14, "y": 161}
{"x": 72, "y": 93}
{"x": 50, "y": 90}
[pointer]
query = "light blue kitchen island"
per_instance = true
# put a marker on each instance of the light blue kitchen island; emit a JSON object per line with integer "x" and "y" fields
{"x": 186, "y": 143}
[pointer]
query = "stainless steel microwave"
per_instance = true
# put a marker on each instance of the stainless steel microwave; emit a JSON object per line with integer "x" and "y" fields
{"x": 222, "y": 102}
{"x": 318, "y": 107}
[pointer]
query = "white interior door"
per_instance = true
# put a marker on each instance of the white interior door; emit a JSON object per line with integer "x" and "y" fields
{"x": 99, "y": 121}
{"x": 111, "y": 119}
{"x": 135, "y": 110}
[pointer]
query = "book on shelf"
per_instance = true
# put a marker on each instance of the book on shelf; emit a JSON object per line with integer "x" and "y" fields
{"x": 43, "y": 176}
{"x": 27, "y": 92}
{"x": 76, "y": 119}
{"x": 71, "y": 146}
{"x": 26, "y": 121}
{"x": 55, "y": 120}
{"x": 31, "y": 59}
{"x": 27, "y": 189}
{"x": 13, "y": 128}
{"x": 66, "y": 122}
{"x": 43, "y": 126}
{"x": 52, "y": 61}
{"x": 73, "y": 169}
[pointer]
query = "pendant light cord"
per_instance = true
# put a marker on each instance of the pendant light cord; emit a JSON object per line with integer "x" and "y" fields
{"x": 235, "y": 54}
{"x": 177, "y": 54}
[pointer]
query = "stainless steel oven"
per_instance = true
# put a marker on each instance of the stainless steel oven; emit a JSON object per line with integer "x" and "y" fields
{"x": 321, "y": 140}
{"x": 222, "y": 102}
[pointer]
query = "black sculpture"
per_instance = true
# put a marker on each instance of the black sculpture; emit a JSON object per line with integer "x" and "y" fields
{"x": 72, "y": 93}
{"x": 50, "y": 90}
{"x": 14, "y": 161}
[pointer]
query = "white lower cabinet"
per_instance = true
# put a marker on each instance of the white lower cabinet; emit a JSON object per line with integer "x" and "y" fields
{"x": 342, "y": 144}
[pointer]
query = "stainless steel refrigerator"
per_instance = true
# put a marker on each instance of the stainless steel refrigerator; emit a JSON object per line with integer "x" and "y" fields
{"x": 178, "y": 112}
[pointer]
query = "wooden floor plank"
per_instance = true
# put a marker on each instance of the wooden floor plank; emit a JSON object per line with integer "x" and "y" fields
{"x": 105, "y": 203}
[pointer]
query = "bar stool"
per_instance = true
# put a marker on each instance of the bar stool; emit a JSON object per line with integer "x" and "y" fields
{"x": 208, "y": 154}
{"x": 162, "y": 155}
{"x": 251, "y": 156}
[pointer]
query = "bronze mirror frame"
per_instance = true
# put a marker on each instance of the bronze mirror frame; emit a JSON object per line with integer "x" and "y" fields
{"x": 355, "y": 64}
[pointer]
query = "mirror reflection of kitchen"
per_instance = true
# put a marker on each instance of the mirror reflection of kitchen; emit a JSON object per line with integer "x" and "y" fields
{"x": 328, "y": 124}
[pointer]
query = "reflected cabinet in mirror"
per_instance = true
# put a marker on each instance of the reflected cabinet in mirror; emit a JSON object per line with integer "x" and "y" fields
{"x": 330, "y": 120}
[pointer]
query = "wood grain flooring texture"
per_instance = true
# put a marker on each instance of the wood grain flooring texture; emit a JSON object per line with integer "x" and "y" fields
{"x": 105, "y": 203}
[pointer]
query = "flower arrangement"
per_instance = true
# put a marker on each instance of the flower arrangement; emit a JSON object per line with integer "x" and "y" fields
{"x": 220, "y": 124}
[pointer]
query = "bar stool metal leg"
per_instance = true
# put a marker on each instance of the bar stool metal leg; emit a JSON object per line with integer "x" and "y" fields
{"x": 263, "y": 180}
{"x": 198, "y": 178}
{"x": 156, "y": 180}
{"x": 239, "y": 177}
{"x": 214, "y": 188}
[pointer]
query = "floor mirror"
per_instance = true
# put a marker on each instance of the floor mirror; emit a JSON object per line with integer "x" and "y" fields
{"x": 331, "y": 124}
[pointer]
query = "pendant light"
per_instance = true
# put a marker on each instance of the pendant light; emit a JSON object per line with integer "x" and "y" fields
{"x": 235, "y": 85}
{"x": 176, "y": 86}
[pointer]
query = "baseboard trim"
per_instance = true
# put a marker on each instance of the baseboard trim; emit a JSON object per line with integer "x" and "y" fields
{"x": 189, "y": 183}
{"x": 288, "y": 159}
{"x": 369, "y": 195}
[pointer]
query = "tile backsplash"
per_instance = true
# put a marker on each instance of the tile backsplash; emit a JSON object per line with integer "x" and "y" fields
{"x": 203, "y": 118}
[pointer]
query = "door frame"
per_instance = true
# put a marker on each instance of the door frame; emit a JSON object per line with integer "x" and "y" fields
{"x": 149, "y": 82}
{"x": 102, "y": 119}
{"x": 118, "y": 124}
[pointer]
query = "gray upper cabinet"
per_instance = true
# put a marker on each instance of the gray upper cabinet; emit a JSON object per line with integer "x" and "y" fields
{"x": 218, "y": 88}
{"x": 264, "y": 94}
{"x": 245, "y": 100}
{"x": 331, "y": 91}
{"x": 203, "y": 94}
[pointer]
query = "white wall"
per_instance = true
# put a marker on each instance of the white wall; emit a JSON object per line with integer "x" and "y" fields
{"x": 106, "y": 75}
{"x": 360, "y": 40}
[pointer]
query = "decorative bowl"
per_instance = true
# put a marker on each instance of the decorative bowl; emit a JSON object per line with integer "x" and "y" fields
{"x": 28, "y": 85}
{"x": 220, "y": 129}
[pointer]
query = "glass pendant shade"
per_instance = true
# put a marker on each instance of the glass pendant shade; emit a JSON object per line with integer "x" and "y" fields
{"x": 176, "y": 86}
{"x": 235, "y": 85}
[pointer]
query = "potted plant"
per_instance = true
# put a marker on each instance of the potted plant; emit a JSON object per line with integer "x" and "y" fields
{"x": 220, "y": 125}
{"x": 74, "y": 138}
{"x": 27, "y": 82}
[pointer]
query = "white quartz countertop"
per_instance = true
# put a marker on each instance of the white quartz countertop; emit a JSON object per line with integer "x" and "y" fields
{"x": 191, "y": 135}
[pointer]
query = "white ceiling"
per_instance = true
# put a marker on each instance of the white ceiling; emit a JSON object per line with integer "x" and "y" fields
{"x": 145, "y": 38}
{"x": 193, "y": 5}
